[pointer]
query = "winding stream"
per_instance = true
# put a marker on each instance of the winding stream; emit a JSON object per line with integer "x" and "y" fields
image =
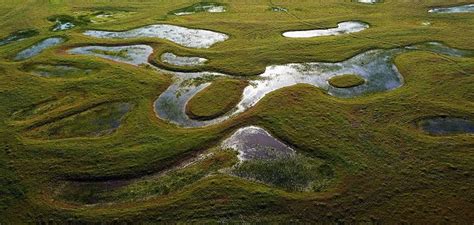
{"x": 375, "y": 67}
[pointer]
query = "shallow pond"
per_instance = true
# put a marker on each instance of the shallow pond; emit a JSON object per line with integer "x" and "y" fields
{"x": 132, "y": 54}
{"x": 173, "y": 59}
{"x": 39, "y": 47}
{"x": 188, "y": 37}
{"x": 18, "y": 36}
{"x": 255, "y": 143}
{"x": 342, "y": 28}
{"x": 455, "y": 9}
{"x": 375, "y": 67}
{"x": 210, "y": 7}
{"x": 447, "y": 125}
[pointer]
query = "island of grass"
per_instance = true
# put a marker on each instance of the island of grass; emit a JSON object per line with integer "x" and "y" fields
{"x": 215, "y": 100}
{"x": 346, "y": 81}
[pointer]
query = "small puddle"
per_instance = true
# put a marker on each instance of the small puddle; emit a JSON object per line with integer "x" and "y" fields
{"x": 62, "y": 25}
{"x": 375, "y": 67}
{"x": 447, "y": 126}
{"x": 255, "y": 143}
{"x": 278, "y": 9}
{"x": 342, "y": 28}
{"x": 18, "y": 36}
{"x": 455, "y": 9}
{"x": 173, "y": 59}
{"x": 192, "y": 38}
{"x": 368, "y": 1}
{"x": 210, "y": 7}
{"x": 39, "y": 47}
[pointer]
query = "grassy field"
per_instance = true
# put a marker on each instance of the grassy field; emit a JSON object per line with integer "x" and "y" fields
{"x": 56, "y": 156}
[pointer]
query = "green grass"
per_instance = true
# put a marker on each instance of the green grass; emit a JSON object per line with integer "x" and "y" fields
{"x": 387, "y": 170}
{"x": 346, "y": 81}
{"x": 215, "y": 100}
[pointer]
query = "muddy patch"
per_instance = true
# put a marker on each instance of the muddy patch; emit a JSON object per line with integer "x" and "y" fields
{"x": 444, "y": 125}
{"x": 173, "y": 59}
{"x": 209, "y": 7}
{"x": 39, "y": 47}
{"x": 188, "y": 37}
{"x": 342, "y": 28}
{"x": 18, "y": 36}
{"x": 454, "y": 9}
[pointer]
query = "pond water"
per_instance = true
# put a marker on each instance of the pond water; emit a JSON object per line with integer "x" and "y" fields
{"x": 447, "y": 125}
{"x": 375, "y": 67}
{"x": 188, "y": 37}
{"x": 173, "y": 59}
{"x": 454, "y": 9}
{"x": 39, "y": 47}
{"x": 255, "y": 143}
{"x": 18, "y": 36}
{"x": 342, "y": 28}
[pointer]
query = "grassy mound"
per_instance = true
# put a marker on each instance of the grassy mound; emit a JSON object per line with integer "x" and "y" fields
{"x": 346, "y": 81}
{"x": 215, "y": 100}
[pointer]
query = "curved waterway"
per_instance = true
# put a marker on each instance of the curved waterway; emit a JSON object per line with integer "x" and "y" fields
{"x": 39, "y": 47}
{"x": 342, "y": 28}
{"x": 375, "y": 67}
{"x": 188, "y": 37}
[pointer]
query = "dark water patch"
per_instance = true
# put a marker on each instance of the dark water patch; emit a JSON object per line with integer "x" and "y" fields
{"x": 210, "y": 7}
{"x": 56, "y": 70}
{"x": 454, "y": 9}
{"x": 254, "y": 143}
{"x": 265, "y": 159}
{"x": 444, "y": 125}
{"x": 39, "y": 47}
{"x": 47, "y": 106}
{"x": 98, "y": 121}
{"x": 440, "y": 48}
{"x": 18, "y": 36}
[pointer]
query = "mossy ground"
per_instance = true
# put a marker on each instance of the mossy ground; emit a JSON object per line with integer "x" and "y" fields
{"x": 346, "y": 81}
{"x": 388, "y": 171}
{"x": 215, "y": 100}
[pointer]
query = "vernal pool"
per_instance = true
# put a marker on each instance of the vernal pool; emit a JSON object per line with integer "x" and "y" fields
{"x": 132, "y": 54}
{"x": 188, "y": 37}
{"x": 39, "y": 47}
{"x": 342, "y": 28}
{"x": 454, "y": 9}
